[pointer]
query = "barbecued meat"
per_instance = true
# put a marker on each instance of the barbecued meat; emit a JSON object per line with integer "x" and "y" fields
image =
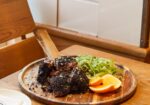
{"x": 60, "y": 85}
{"x": 44, "y": 70}
{"x": 73, "y": 81}
{"x": 62, "y": 77}
{"x": 65, "y": 63}
{"x": 79, "y": 81}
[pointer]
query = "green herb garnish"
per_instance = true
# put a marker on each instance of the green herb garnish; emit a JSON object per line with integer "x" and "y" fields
{"x": 94, "y": 66}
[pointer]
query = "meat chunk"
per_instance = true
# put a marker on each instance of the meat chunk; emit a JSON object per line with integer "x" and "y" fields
{"x": 62, "y": 76}
{"x": 67, "y": 82}
{"x": 60, "y": 85}
{"x": 65, "y": 63}
{"x": 44, "y": 70}
{"x": 79, "y": 81}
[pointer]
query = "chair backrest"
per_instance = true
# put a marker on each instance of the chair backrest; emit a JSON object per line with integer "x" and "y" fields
{"x": 15, "y": 19}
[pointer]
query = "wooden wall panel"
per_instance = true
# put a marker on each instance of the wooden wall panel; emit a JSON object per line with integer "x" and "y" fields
{"x": 144, "y": 42}
{"x": 62, "y": 43}
{"x": 64, "y": 38}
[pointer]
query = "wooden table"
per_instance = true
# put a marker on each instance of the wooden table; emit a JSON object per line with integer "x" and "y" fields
{"x": 140, "y": 69}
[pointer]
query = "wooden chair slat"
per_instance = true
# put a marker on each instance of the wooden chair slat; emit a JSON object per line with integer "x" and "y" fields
{"x": 15, "y": 19}
{"x": 47, "y": 43}
{"x": 15, "y": 57}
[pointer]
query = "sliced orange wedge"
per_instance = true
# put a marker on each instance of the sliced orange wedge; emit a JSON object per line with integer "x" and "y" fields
{"x": 109, "y": 83}
{"x": 102, "y": 88}
{"x": 95, "y": 81}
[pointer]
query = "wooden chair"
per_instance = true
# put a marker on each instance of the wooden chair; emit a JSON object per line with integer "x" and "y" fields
{"x": 16, "y": 21}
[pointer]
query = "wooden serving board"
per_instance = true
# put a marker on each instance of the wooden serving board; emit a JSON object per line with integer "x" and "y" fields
{"x": 29, "y": 85}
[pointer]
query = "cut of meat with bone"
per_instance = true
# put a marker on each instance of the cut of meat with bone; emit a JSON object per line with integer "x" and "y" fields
{"x": 62, "y": 76}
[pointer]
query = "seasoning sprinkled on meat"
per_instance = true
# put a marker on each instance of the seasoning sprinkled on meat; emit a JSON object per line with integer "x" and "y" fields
{"x": 65, "y": 63}
{"x": 62, "y": 77}
{"x": 79, "y": 81}
{"x": 44, "y": 71}
{"x": 60, "y": 85}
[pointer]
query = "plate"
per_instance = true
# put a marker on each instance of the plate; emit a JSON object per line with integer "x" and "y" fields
{"x": 29, "y": 85}
{"x": 14, "y": 97}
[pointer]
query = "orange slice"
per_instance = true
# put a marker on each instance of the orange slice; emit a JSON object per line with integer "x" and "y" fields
{"x": 102, "y": 88}
{"x": 109, "y": 83}
{"x": 95, "y": 81}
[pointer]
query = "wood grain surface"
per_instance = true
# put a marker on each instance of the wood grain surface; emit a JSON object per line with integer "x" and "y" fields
{"x": 15, "y": 57}
{"x": 140, "y": 69}
{"x": 15, "y": 19}
{"x": 144, "y": 42}
{"x": 29, "y": 84}
{"x": 94, "y": 41}
{"x": 47, "y": 43}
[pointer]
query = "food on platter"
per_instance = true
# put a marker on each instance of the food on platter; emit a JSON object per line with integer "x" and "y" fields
{"x": 107, "y": 83}
{"x": 79, "y": 74}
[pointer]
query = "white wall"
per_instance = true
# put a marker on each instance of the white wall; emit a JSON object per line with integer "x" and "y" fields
{"x": 120, "y": 20}
{"x": 44, "y": 11}
{"x": 79, "y": 15}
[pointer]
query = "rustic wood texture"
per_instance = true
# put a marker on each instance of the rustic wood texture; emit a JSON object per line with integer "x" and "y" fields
{"x": 27, "y": 80}
{"x": 148, "y": 56}
{"x": 23, "y": 37}
{"x": 15, "y": 19}
{"x": 144, "y": 43}
{"x": 97, "y": 42}
{"x": 62, "y": 43}
{"x": 47, "y": 43}
{"x": 140, "y": 69}
{"x": 14, "y": 57}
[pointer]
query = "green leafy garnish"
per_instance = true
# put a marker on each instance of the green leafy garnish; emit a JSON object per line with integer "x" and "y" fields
{"x": 94, "y": 66}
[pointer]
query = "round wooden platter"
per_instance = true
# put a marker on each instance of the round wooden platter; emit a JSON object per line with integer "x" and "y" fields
{"x": 29, "y": 85}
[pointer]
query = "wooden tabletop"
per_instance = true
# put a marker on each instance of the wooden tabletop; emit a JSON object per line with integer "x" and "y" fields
{"x": 140, "y": 69}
